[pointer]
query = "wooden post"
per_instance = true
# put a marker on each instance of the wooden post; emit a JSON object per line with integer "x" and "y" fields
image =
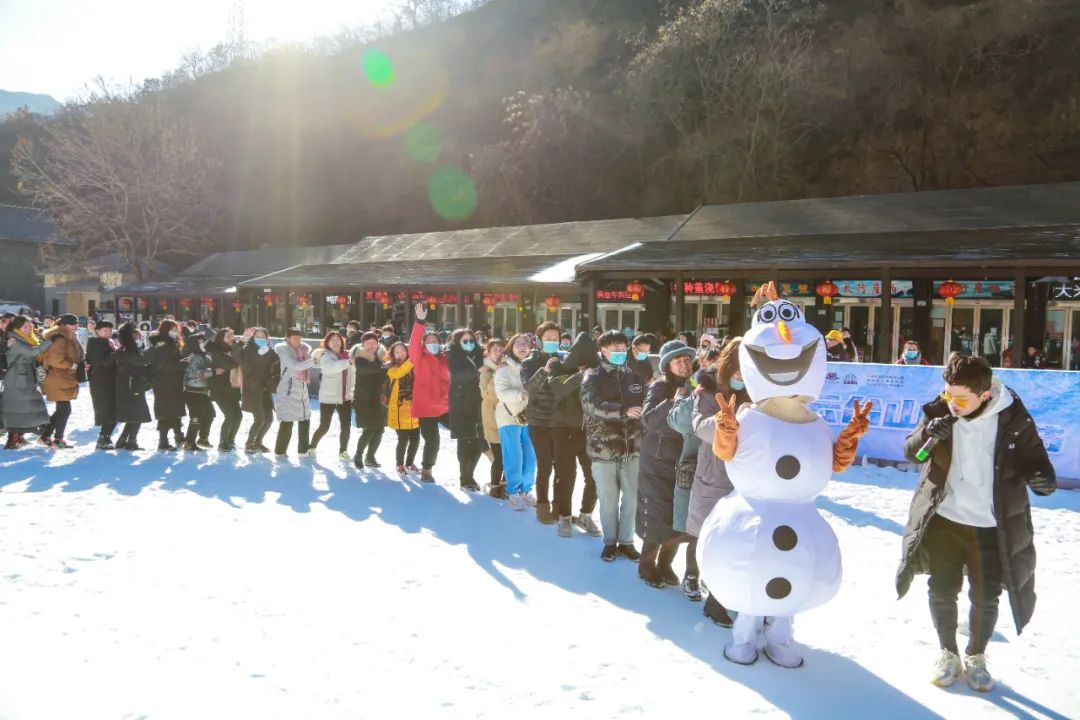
{"x": 680, "y": 304}
{"x": 1018, "y": 324}
{"x": 737, "y": 310}
{"x": 590, "y": 305}
{"x": 883, "y": 346}
{"x": 460, "y": 309}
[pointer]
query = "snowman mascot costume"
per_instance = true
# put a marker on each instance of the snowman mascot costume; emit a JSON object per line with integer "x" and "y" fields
{"x": 764, "y": 550}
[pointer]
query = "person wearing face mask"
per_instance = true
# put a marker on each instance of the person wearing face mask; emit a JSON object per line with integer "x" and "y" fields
{"x": 387, "y": 336}
{"x": 612, "y": 398}
{"x": 911, "y": 355}
{"x": 565, "y": 342}
{"x": 711, "y": 480}
{"x": 536, "y": 372}
{"x": 519, "y": 456}
{"x": 166, "y": 349}
{"x": 133, "y": 370}
{"x": 102, "y": 376}
{"x": 399, "y": 392}
{"x": 369, "y": 363}
{"x": 638, "y": 359}
{"x": 971, "y": 514}
{"x": 431, "y": 389}
{"x": 493, "y": 351}
{"x": 466, "y": 418}
{"x": 257, "y": 365}
{"x": 661, "y": 451}
{"x": 198, "y": 370}
{"x": 337, "y": 380}
{"x": 834, "y": 347}
{"x": 849, "y": 345}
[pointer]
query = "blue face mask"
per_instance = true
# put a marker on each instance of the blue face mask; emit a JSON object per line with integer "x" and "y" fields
{"x": 642, "y": 356}
{"x": 551, "y": 346}
{"x": 618, "y": 357}
{"x": 260, "y": 342}
{"x": 433, "y": 348}
{"x": 468, "y": 346}
{"x": 628, "y": 332}
{"x": 911, "y": 354}
{"x": 737, "y": 384}
{"x": 564, "y": 346}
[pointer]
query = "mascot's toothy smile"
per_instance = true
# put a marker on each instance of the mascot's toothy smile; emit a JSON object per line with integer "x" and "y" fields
{"x": 783, "y": 371}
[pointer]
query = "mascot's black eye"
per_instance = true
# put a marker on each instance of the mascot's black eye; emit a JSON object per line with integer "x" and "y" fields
{"x": 788, "y": 312}
{"x": 767, "y": 314}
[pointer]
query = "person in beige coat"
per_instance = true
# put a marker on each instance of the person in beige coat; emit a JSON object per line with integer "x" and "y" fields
{"x": 492, "y": 351}
{"x": 61, "y": 359}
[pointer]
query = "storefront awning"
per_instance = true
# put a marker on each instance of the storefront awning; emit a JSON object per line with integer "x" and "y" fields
{"x": 183, "y": 285}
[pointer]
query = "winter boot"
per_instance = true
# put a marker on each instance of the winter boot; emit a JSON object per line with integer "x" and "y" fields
{"x": 178, "y": 436}
{"x": 12, "y": 440}
{"x": 544, "y": 513}
{"x": 629, "y": 552}
{"x": 947, "y": 668}
{"x": 609, "y": 553}
{"x": 426, "y": 476}
{"x": 717, "y": 612}
{"x": 104, "y": 442}
{"x": 978, "y": 676}
{"x": 498, "y": 491}
{"x": 163, "y": 441}
{"x": 691, "y": 587}
{"x": 663, "y": 565}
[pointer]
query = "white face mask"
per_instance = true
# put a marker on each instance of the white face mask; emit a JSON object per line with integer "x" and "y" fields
{"x": 173, "y": 334}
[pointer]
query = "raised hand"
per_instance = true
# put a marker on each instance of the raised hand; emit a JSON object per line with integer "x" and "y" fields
{"x": 726, "y": 435}
{"x": 860, "y": 421}
{"x": 421, "y": 312}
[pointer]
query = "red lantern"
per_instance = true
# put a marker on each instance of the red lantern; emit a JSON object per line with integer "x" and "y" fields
{"x": 208, "y": 302}
{"x": 431, "y": 300}
{"x": 636, "y": 290}
{"x": 949, "y": 290}
{"x": 237, "y": 306}
{"x": 164, "y": 304}
{"x": 342, "y": 301}
{"x": 725, "y": 289}
{"x": 553, "y": 302}
{"x": 144, "y": 304}
{"x": 269, "y": 298}
{"x": 828, "y": 290}
{"x": 490, "y": 301}
{"x": 185, "y": 303}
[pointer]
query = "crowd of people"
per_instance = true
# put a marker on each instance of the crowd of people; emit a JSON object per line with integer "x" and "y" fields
{"x": 634, "y": 418}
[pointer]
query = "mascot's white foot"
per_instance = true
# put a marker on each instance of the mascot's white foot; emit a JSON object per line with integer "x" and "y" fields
{"x": 779, "y": 643}
{"x": 741, "y": 653}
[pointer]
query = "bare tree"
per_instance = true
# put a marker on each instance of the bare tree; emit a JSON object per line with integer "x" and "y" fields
{"x": 121, "y": 175}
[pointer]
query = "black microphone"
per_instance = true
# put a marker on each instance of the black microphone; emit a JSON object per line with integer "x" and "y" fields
{"x": 931, "y": 442}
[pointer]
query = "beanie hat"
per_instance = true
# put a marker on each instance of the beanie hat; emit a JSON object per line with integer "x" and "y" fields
{"x": 673, "y": 349}
{"x": 104, "y": 325}
{"x": 67, "y": 319}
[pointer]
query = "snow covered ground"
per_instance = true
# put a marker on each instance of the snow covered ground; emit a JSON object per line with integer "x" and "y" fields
{"x": 180, "y": 586}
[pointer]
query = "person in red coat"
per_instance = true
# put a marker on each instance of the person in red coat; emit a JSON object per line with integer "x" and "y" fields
{"x": 431, "y": 389}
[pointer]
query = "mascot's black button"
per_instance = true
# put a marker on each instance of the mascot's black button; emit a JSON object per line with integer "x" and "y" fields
{"x": 778, "y": 588}
{"x": 788, "y": 467}
{"x": 784, "y": 538}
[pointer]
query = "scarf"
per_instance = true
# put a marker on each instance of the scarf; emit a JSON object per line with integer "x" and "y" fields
{"x": 32, "y": 340}
{"x": 302, "y": 354}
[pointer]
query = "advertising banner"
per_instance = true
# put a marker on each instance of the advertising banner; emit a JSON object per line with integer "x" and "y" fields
{"x": 900, "y": 391}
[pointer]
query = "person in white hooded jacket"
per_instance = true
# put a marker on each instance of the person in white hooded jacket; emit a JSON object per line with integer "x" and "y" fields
{"x": 291, "y": 401}
{"x": 337, "y": 376}
{"x": 519, "y": 457}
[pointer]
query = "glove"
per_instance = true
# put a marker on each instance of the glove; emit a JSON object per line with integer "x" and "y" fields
{"x": 726, "y": 435}
{"x": 1042, "y": 485}
{"x": 940, "y": 428}
{"x": 847, "y": 444}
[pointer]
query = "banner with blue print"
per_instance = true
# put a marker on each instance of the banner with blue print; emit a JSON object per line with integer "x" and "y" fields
{"x": 899, "y": 392}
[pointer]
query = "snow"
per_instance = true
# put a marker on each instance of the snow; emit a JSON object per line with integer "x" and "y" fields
{"x": 220, "y": 586}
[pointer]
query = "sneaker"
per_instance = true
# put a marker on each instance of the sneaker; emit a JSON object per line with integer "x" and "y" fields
{"x": 609, "y": 553}
{"x": 263, "y": 449}
{"x": 44, "y": 442}
{"x": 947, "y": 668}
{"x": 978, "y": 676}
{"x": 203, "y": 443}
{"x": 166, "y": 447}
{"x": 586, "y": 523}
{"x": 61, "y": 444}
{"x": 401, "y": 470}
{"x": 470, "y": 486}
{"x": 426, "y": 476}
{"x": 413, "y": 469}
{"x": 312, "y": 453}
{"x": 691, "y": 587}
{"x": 192, "y": 447}
{"x": 515, "y": 502}
{"x": 249, "y": 449}
{"x": 566, "y": 527}
{"x": 629, "y": 552}
{"x": 344, "y": 455}
{"x": 522, "y": 501}
{"x": 530, "y": 500}
{"x": 371, "y": 463}
{"x": 104, "y": 443}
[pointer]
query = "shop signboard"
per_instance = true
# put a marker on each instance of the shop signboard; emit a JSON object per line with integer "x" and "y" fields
{"x": 845, "y": 288}
{"x": 1065, "y": 291}
{"x": 899, "y": 392}
{"x": 981, "y": 289}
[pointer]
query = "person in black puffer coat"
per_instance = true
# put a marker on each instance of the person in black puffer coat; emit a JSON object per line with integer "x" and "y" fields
{"x": 536, "y": 371}
{"x": 224, "y": 361}
{"x": 368, "y": 358}
{"x": 661, "y": 448}
{"x": 102, "y": 377}
{"x": 466, "y": 414}
{"x": 971, "y": 511}
{"x": 258, "y": 365}
{"x": 133, "y": 369}
{"x": 166, "y": 349}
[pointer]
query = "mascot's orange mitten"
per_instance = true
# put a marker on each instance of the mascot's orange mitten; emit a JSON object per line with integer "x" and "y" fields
{"x": 848, "y": 441}
{"x": 726, "y": 435}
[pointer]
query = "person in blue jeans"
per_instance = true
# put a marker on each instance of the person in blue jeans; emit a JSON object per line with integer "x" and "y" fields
{"x": 612, "y": 397}
{"x": 519, "y": 457}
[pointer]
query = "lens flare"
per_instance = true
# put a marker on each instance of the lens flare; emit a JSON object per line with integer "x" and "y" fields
{"x": 378, "y": 69}
{"x": 423, "y": 143}
{"x": 452, "y": 193}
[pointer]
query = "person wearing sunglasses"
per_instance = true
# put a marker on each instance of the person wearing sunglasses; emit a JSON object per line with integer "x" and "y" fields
{"x": 971, "y": 511}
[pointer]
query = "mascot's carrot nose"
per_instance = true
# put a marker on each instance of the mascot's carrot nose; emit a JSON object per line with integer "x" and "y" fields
{"x": 784, "y": 331}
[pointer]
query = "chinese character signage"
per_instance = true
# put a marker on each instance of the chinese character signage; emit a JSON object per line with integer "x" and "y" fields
{"x": 1065, "y": 291}
{"x": 614, "y": 295}
{"x": 845, "y": 288}
{"x": 982, "y": 289}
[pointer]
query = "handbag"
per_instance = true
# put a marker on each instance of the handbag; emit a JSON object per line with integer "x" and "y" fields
{"x": 684, "y": 473}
